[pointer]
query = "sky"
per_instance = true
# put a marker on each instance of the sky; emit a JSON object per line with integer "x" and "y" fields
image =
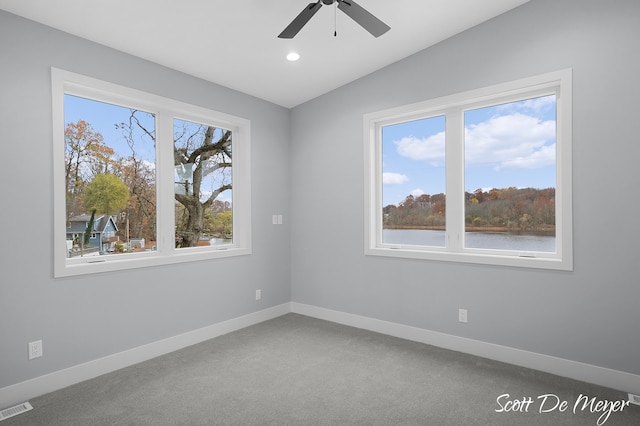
{"x": 508, "y": 145}
{"x": 103, "y": 118}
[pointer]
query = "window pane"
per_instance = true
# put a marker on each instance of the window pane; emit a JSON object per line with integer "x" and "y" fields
{"x": 413, "y": 182}
{"x": 203, "y": 184}
{"x": 510, "y": 175}
{"x": 110, "y": 178}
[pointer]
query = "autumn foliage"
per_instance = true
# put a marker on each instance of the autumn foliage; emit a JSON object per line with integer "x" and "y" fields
{"x": 507, "y": 209}
{"x": 88, "y": 156}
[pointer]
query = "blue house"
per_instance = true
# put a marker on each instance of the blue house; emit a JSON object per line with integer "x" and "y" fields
{"x": 103, "y": 234}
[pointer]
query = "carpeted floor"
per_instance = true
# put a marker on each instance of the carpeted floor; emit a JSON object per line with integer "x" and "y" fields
{"x": 296, "y": 370}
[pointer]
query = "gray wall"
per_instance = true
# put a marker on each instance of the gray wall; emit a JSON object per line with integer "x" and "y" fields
{"x": 590, "y": 315}
{"x": 84, "y": 318}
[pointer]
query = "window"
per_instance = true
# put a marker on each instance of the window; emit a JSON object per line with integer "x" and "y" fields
{"x": 203, "y": 184}
{"x": 482, "y": 176}
{"x": 141, "y": 180}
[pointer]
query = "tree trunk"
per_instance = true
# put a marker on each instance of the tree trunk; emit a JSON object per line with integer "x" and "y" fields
{"x": 193, "y": 232}
{"x": 89, "y": 230}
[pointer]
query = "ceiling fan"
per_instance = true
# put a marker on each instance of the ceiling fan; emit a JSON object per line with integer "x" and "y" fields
{"x": 369, "y": 22}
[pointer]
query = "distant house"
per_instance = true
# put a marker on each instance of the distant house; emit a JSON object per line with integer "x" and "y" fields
{"x": 103, "y": 234}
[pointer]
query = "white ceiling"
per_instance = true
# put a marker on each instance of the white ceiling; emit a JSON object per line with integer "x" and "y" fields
{"x": 234, "y": 42}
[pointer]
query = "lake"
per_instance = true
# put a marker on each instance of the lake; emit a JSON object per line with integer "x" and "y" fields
{"x": 483, "y": 240}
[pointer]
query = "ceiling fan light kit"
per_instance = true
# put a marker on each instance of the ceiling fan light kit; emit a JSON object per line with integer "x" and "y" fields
{"x": 356, "y": 12}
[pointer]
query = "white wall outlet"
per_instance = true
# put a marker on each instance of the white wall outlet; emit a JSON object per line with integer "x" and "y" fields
{"x": 276, "y": 219}
{"x": 462, "y": 315}
{"x": 258, "y": 294}
{"x": 634, "y": 399}
{"x": 35, "y": 349}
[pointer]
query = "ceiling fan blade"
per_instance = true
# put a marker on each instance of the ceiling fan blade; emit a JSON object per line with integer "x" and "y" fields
{"x": 369, "y": 22}
{"x": 300, "y": 21}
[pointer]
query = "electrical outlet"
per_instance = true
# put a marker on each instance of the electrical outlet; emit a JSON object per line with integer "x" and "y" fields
{"x": 258, "y": 294}
{"x": 634, "y": 399}
{"x": 35, "y": 349}
{"x": 462, "y": 315}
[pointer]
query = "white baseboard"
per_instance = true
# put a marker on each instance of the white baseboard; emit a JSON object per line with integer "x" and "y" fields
{"x": 614, "y": 379}
{"x": 37, "y": 386}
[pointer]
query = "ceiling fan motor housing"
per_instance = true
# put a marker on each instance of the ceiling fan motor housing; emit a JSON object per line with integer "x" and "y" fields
{"x": 327, "y": 2}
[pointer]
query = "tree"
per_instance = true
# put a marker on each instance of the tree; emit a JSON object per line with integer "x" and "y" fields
{"x": 221, "y": 224}
{"x": 139, "y": 220}
{"x": 107, "y": 194}
{"x": 204, "y": 151}
{"x": 138, "y": 173}
{"x": 201, "y": 154}
{"x": 526, "y": 209}
{"x": 86, "y": 155}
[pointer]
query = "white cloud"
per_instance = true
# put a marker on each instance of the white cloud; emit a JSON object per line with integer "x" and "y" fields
{"x": 511, "y": 141}
{"x": 545, "y": 156}
{"x": 417, "y": 192}
{"x": 430, "y": 149}
{"x": 394, "y": 178}
{"x": 535, "y": 105}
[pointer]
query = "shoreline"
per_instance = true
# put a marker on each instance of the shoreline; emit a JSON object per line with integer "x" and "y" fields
{"x": 543, "y": 229}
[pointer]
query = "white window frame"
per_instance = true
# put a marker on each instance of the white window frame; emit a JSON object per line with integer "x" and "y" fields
{"x": 165, "y": 110}
{"x": 453, "y": 106}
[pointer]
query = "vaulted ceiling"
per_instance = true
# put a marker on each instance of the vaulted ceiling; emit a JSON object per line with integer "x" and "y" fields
{"x": 234, "y": 42}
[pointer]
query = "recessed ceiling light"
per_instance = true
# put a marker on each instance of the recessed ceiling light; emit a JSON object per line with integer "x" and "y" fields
{"x": 293, "y": 56}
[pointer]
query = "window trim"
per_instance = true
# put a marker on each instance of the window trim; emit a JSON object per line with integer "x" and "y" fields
{"x": 165, "y": 110}
{"x": 558, "y": 82}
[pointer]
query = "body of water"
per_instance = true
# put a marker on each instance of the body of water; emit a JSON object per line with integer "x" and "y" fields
{"x": 483, "y": 240}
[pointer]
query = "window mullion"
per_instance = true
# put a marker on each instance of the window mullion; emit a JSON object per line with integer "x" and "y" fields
{"x": 376, "y": 190}
{"x": 165, "y": 179}
{"x": 455, "y": 179}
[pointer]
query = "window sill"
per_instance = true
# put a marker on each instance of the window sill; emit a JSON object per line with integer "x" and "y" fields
{"x": 109, "y": 263}
{"x": 522, "y": 260}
